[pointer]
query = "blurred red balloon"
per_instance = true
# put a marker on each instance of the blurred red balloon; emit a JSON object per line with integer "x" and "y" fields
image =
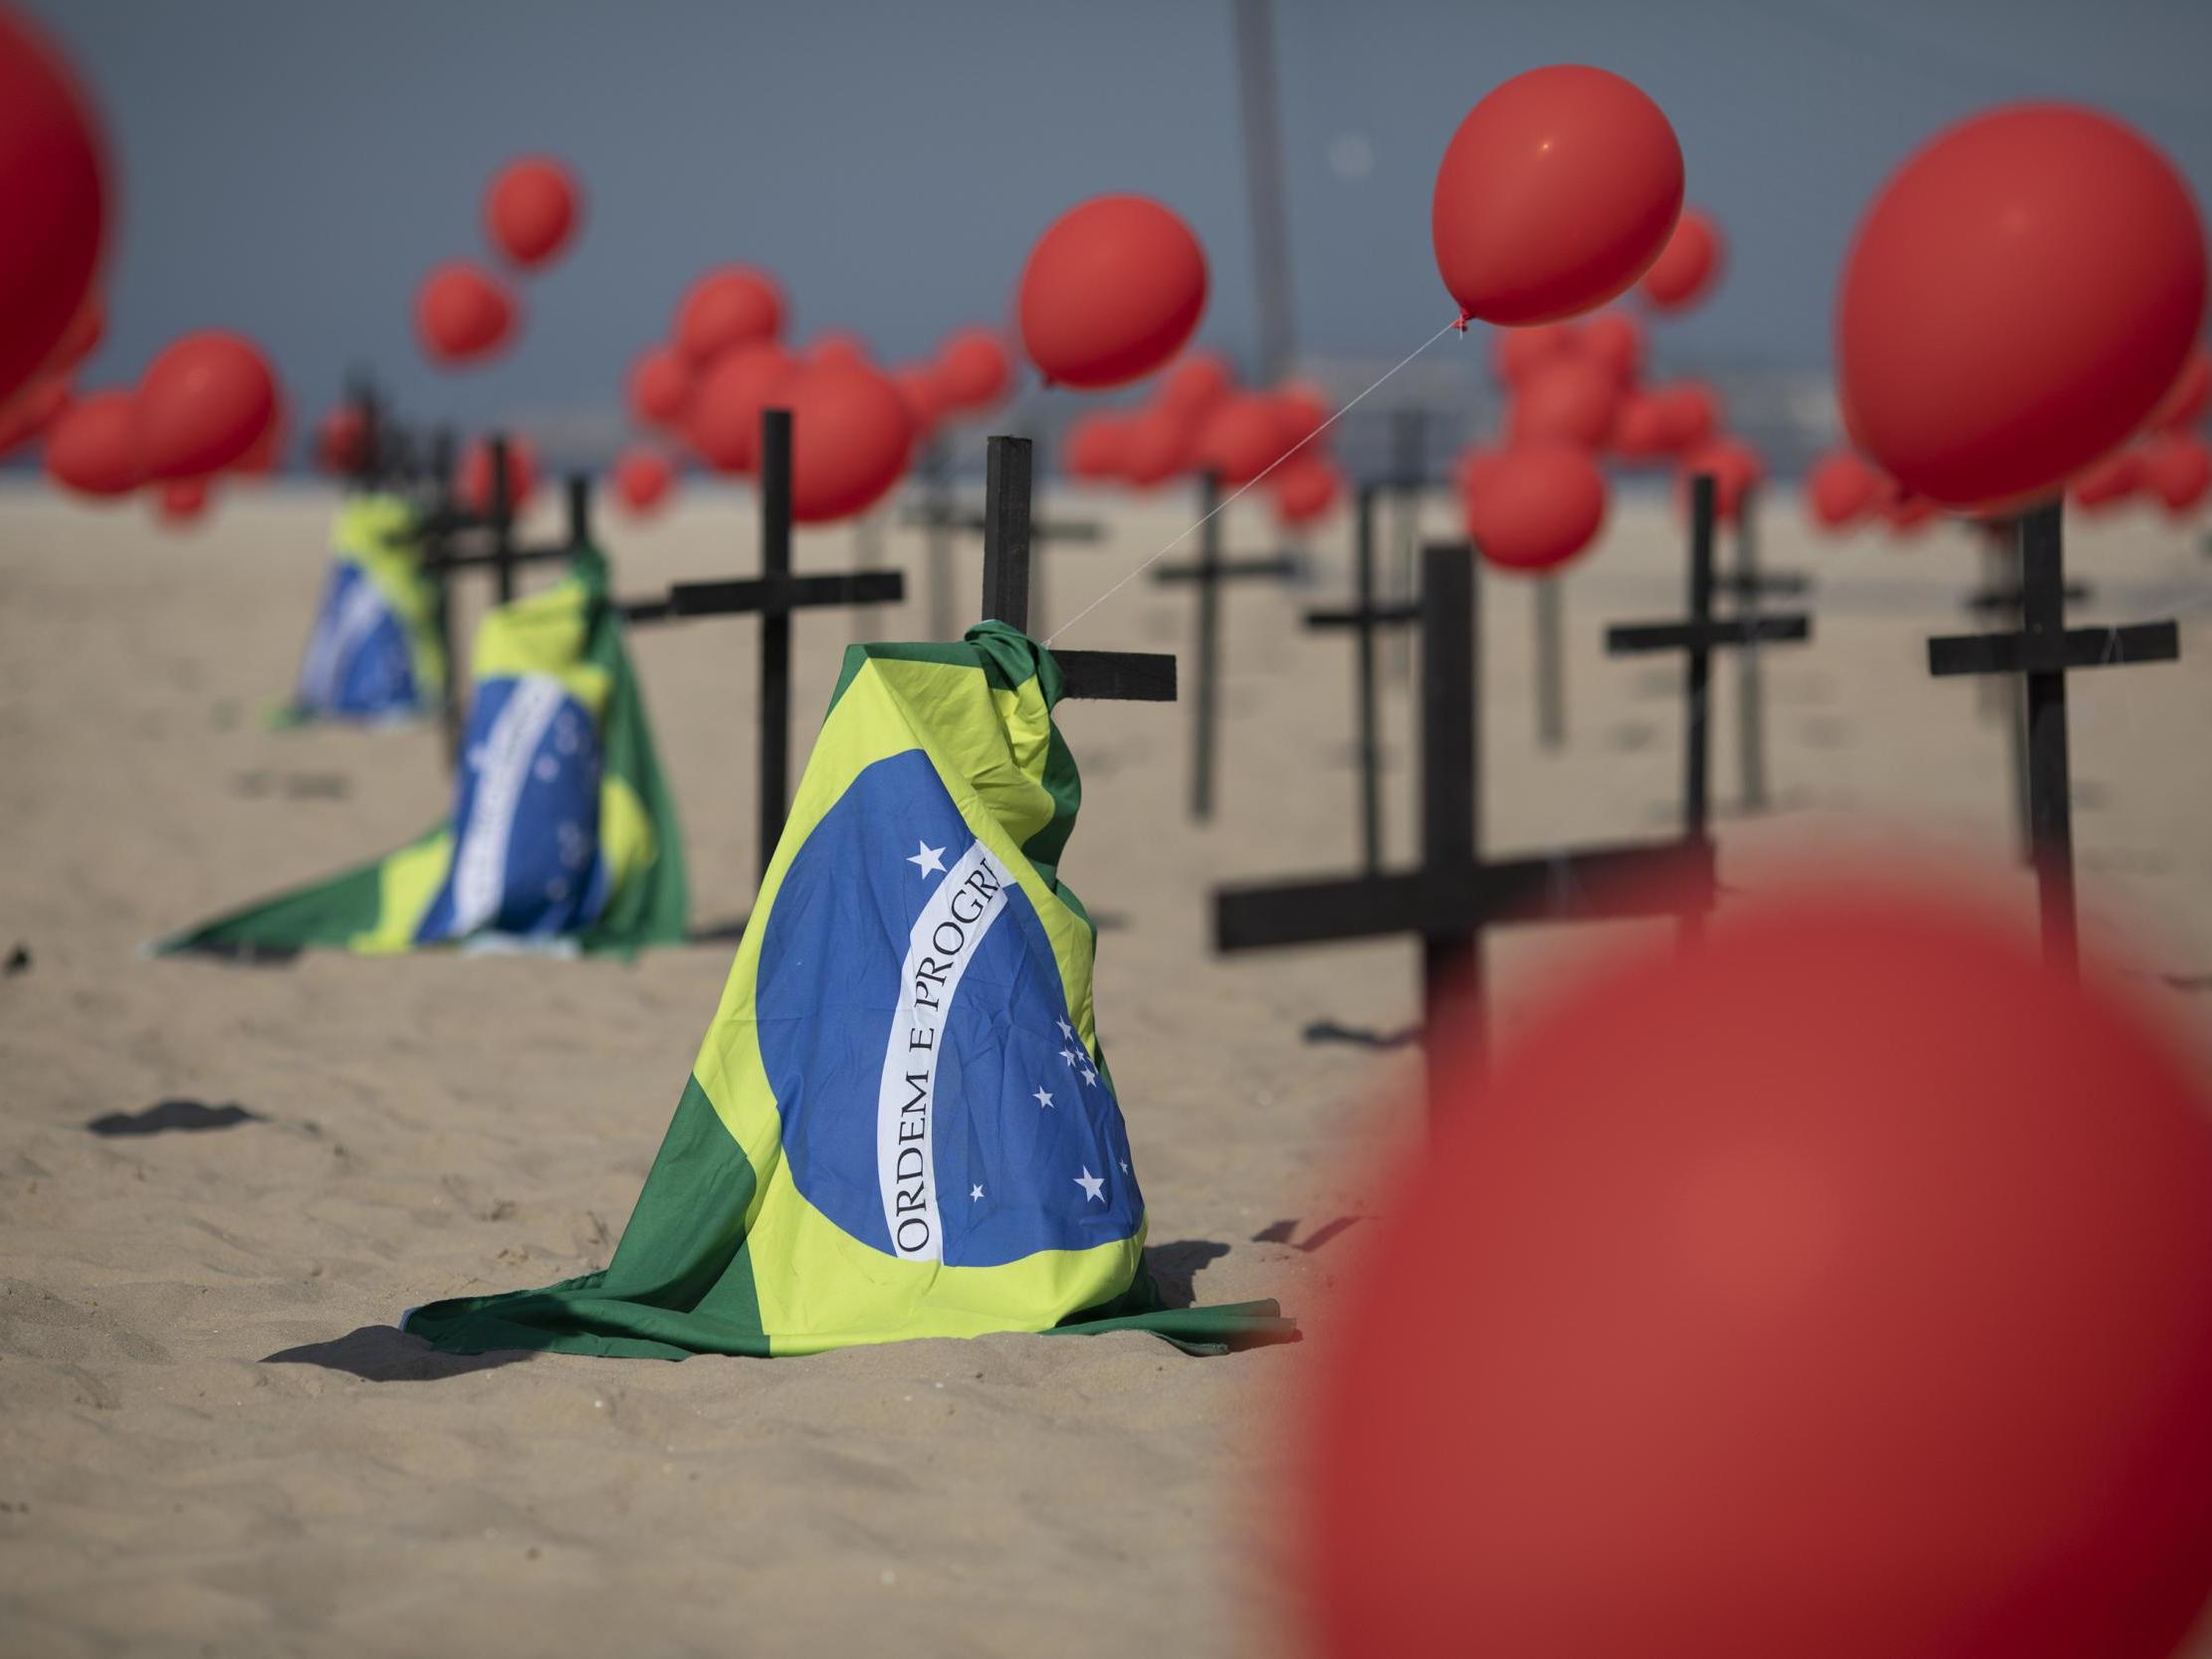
{"x": 530, "y": 210}
{"x": 1690, "y": 411}
{"x": 1533, "y": 507}
{"x": 2018, "y": 297}
{"x": 1556, "y": 192}
{"x": 837, "y": 346}
{"x": 2185, "y": 400}
{"x": 1301, "y": 411}
{"x": 30, "y": 411}
{"x": 1855, "y": 1245}
{"x": 1158, "y": 444}
{"x": 1689, "y": 266}
{"x": 851, "y": 434}
{"x": 341, "y": 440}
{"x": 474, "y": 484}
{"x": 974, "y": 371}
{"x": 1242, "y": 438}
{"x": 1642, "y": 428}
{"x": 1112, "y": 289}
{"x": 91, "y": 447}
{"x": 182, "y": 500}
{"x": 464, "y": 314}
{"x": 723, "y": 422}
{"x": 2107, "y": 483}
{"x": 924, "y": 400}
{"x": 1305, "y": 488}
{"x": 1197, "y": 383}
{"x": 267, "y": 454}
{"x": 1569, "y": 402}
{"x": 52, "y": 200}
{"x": 660, "y": 383}
{"x": 2177, "y": 466}
{"x": 1517, "y": 353}
{"x": 642, "y": 479}
{"x": 81, "y": 338}
{"x": 729, "y": 307}
{"x": 1841, "y": 490}
{"x": 1096, "y": 445}
{"x": 1904, "y": 513}
{"x": 202, "y": 404}
{"x": 1736, "y": 468}
{"x": 1615, "y": 339}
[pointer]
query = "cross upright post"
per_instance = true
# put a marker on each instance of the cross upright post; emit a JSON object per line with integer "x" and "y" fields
{"x": 1551, "y": 661}
{"x": 1455, "y": 894}
{"x": 939, "y": 518}
{"x": 2042, "y": 653}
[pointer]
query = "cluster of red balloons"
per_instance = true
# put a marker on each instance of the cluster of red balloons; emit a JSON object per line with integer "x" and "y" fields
{"x": 1843, "y": 489}
{"x": 1200, "y": 421}
{"x": 207, "y": 405}
{"x": 466, "y": 312}
{"x": 853, "y": 424}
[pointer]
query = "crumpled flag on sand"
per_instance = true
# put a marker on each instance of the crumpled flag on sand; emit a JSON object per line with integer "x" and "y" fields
{"x": 901, "y": 1123}
{"x": 376, "y": 652}
{"x": 563, "y": 833}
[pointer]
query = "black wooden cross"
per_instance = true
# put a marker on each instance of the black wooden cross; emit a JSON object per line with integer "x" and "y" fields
{"x": 1096, "y": 675}
{"x": 939, "y": 518}
{"x": 2041, "y": 653}
{"x": 1209, "y": 570}
{"x": 1747, "y": 584}
{"x": 1456, "y": 894}
{"x": 2005, "y": 697}
{"x": 772, "y": 597}
{"x": 1699, "y": 635}
{"x": 1363, "y": 617}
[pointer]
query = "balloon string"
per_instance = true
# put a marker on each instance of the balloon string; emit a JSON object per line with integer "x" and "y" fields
{"x": 1254, "y": 483}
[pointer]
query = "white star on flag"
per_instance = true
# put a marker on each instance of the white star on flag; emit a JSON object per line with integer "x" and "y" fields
{"x": 1067, "y": 1030}
{"x": 1089, "y": 1076}
{"x": 1068, "y": 1055}
{"x": 928, "y": 858}
{"x": 1043, "y": 1097}
{"x": 974, "y": 1193}
{"x": 1094, "y": 1187}
{"x": 1125, "y": 1167}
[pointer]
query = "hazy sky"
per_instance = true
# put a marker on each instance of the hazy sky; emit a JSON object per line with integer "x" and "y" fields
{"x": 290, "y": 167}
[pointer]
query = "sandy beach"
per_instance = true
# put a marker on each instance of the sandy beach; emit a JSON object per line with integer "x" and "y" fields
{"x": 220, "y": 1185}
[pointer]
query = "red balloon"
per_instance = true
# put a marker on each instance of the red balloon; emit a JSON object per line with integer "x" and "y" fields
{"x": 974, "y": 371}
{"x": 1569, "y": 402}
{"x": 474, "y": 486}
{"x": 723, "y": 422}
{"x": 1242, "y": 438}
{"x": 267, "y": 453}
{"x": 1305, "y": 488}
{"x": 924, "y": 399}
{"x": 838, "y": 345}
{"x": 93, "y": 446}
{"x": 2185, "y": 400}
{"x": 2177, "y": 466}
{"x": 530, "y": 210}
{"x": 81, "y": 338}
{"x": 731, "y": 305}
{"x": 464, "y": 314}
{"x": 1841, "y": 490}
{"x": 341, "y": 440}
{"x": 1614, "y": 340}
{"x": 30, "y": 411}
{"x": 1689, "y": 265}
{"x": 1555, "y": 194}
{"x": 1855, "y": 1245}
{"x": 1301, "y": 411}
{"x": 1533, "y": 507}
{"x": 1736, "y": 468}
{"x": 659, "y": 384}
{"x": 2018, "y": 297}
{"x": 1096, "y": 445}
{"x": 1517, "y": 354}
{"x": 1112, "y": 289}
{"x": 52, "y": 200}
{"x": 1690, "y": 411}
{"x": 1642, "y": 429}
{"x": 2108, "y": 483}
{"x": 1197, "y": 383}
{"x": 643, "y": 479}
{"x": 183, "y": 500}
{"x": 851, "y": 434}
{"x": 202, "y": 404}
{"x": 1158, "y": 445}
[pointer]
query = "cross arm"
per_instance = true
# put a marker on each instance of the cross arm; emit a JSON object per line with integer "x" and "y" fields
{"x": 2012, "y": 598}
{"x": 1264, "y": 564}
{"x": 776, "y": 593}
{"x": 1117, "y": 676}
{"x": 1630, "y": 639}
{"x": 1780, "y": 583}
{"x": 2140, "y": 642}
{"x": 1378, "y": 616}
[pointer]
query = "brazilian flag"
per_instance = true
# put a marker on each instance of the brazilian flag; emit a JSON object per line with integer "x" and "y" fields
{"x": 901, "y": 1123}
{"x": 563, "y": 829}
{"x": 376, "y": 652}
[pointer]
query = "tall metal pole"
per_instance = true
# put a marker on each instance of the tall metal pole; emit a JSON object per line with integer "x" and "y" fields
{"x": 1257, "y": 105}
